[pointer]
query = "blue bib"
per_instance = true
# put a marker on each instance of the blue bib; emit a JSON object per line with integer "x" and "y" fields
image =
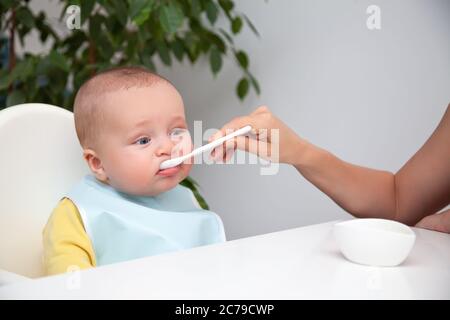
{"x": 123, "y": 227}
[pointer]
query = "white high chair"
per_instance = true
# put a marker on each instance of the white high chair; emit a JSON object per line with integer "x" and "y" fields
{"x": 40, "y": 160}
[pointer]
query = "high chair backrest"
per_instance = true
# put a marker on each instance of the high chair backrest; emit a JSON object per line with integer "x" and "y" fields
{"x": 40, "y": 160}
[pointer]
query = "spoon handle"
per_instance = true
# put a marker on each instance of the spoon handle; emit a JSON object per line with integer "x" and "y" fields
{"x": 207, "y": 147}
{"x": 219, "y": 141}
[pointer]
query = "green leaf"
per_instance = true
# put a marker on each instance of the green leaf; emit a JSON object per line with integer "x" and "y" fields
{"x": 215, "y": 60}
{"x": 148, "y": 63}
{"x": 16, "y": 97}
{"x": 227, "y": 5}
{"x": 22, "y": 70}
{"x": 106, "y": 48}
{"x": 211, "y": 11}
{"x": 143, "y": 35}
{"x": 215, "y": 39}
{"x": 81, "y": 76}
{"x": 242, "y": 58}
{"x": 7, "y": 3}
{"x": 140, "y": 10}
{"x": 59, "y": 61}
{"x": 171, "y": 18}
{"x": 5, "y": 80}
{"x": 95, "y": 26}
{"x": 25, "y": 16}
{"x": 164, "y": 54}
{"x": 178, "y": 49}
{"x": 22, "y": 31}
{"x": 131, "y": 45}
{"x": 236, "y": 25}
{"x": 190, "y": 183}
{"x": 196, "y": 8}
{"x": 121, "y": 11}
{"x": 42, "y": 27}
{"x": 242, "y": 88}
{"x": 86, "y": 9}
{"x": 191, "y": 43}
{"x": 135, "y": 6}
{"x": 43, "y": 66}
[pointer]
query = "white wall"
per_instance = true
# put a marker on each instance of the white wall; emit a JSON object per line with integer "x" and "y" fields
{"x": 371, "y": 97}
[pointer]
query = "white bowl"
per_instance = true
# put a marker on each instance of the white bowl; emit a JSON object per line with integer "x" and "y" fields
{"x": 374, "y": 242}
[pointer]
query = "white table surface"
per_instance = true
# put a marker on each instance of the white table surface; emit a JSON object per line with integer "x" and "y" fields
{"x": 301, "y": 263}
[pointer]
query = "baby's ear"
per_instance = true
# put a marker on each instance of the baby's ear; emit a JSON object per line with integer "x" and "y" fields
{"x": 95, "y": 164}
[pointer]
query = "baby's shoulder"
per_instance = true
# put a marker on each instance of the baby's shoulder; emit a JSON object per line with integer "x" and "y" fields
{"x": 65, "y": 213}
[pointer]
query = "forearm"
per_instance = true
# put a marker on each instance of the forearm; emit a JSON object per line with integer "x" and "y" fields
{"x": 363, "y": 192}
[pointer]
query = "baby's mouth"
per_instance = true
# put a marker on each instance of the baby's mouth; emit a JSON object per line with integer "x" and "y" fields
{"x": 169, "y": 171}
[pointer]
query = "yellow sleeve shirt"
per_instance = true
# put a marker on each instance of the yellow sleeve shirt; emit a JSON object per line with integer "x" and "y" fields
{"x": 67, "y": 246}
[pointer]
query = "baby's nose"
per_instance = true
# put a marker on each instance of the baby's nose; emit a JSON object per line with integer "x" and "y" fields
{"x": 165, "y": 147}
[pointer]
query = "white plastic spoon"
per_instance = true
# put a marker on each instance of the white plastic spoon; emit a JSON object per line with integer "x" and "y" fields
{"x": 207, "y": 147}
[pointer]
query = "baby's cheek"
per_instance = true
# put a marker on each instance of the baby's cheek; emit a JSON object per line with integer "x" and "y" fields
{"x": 185, "y": 169}
{"x": 182, "y": 147}
{"x": 189, "y": 147}
{"x": 140, "y": 172}
{"x": 138, "y": 181}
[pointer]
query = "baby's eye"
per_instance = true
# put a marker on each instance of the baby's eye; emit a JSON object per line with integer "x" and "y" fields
{"x": 143, "y": 141}
{"x": 178, "y": 133}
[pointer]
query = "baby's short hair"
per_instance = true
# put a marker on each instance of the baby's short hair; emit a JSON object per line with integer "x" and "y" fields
{"x": 88, "y": 110}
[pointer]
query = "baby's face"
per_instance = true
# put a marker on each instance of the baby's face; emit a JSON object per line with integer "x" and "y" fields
{"x": 144, "y": 127}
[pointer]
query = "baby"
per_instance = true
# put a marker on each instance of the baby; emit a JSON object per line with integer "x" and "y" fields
{"x": 128, "y": 120}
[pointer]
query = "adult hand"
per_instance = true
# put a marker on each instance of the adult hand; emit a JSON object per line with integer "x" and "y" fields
{"x": 271, "y": 139}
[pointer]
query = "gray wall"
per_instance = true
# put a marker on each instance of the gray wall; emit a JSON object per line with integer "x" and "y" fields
{"x": 370, "y": 97}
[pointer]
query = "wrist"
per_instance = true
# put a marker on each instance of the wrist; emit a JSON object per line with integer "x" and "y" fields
{"x": 305, "y": 155}
{"x": 299, "y": 152}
